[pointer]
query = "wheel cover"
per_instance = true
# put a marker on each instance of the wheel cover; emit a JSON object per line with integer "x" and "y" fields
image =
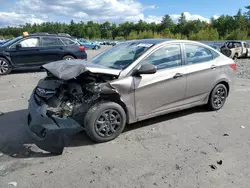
{"x": 4, "y": 66}
{"x": 219, "y": 97}
{"x": 108, "y": 123}
{"x": 68, "y": 58}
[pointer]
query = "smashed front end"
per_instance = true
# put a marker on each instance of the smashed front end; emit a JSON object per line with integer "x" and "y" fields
{"x": 57, "y": 106}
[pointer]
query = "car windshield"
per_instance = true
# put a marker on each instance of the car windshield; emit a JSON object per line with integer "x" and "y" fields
{"x": 12, "y": 41}
{"x": 121, "y": 56}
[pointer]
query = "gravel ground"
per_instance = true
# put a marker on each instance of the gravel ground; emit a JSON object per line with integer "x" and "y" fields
{"x": 189, "y": 149}
{"x": 243, "y": 68}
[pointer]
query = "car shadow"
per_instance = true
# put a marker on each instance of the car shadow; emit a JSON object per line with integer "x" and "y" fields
{"x": 16, "y": 142}
{"x": 27, "y": 70}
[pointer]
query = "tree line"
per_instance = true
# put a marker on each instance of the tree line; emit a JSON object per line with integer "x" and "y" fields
{"x": 225, "y": 27}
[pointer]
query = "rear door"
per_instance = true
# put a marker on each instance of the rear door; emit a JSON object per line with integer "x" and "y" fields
{"x": 27, "y": 54}
{"x": 52, "y": 49}
{"x": 202, "y": 71}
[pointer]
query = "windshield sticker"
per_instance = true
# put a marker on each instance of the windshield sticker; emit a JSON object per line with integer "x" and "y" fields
{"x": 145, "y": 45}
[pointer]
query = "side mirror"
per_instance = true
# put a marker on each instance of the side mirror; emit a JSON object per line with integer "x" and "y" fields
{"x": 146, "y": 69}
{"x": 18, "y": 46}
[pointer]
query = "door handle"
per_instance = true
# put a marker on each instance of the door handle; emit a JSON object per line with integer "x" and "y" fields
{"x": 213, "y": 67}
{"x": 177, "y": 75}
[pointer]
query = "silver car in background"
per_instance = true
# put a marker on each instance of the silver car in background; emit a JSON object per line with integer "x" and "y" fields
{"x": 130, "y": 82}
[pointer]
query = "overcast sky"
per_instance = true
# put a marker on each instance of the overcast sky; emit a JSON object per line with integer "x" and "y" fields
{"x": 16, "y": 12}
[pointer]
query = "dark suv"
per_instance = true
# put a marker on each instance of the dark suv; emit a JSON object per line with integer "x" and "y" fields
{"x": 37, "y": 49}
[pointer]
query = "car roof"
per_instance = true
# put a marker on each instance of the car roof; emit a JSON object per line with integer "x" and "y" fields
{"x": 151, "y": 41}
{"x": 234, "y": 41}
{"x": 48, "y": 35}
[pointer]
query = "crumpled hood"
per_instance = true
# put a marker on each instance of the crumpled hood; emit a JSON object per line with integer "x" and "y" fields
{"x": 68, "y": 69}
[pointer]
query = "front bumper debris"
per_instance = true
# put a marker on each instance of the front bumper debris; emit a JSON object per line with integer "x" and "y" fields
{"x": 49, "y": 133}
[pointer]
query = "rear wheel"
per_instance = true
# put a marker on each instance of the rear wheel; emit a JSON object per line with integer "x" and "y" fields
{"x": 217, "y": 97}
{"x": 105, "y": 121}
{"x": 5, "y": 67}
{"x": 235, "y": 56}
{"x": 68, "y": 57}
{"x": 96, "y": 48}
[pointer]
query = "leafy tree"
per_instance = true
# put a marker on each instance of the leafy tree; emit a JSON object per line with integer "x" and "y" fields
{"x": 224, "y": 27}
{"x": 167, "y": 23}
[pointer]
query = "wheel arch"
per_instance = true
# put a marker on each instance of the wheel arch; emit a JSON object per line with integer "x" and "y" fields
{"x": 115, "y": 97}
{"x": 8, "y": 59}
{"x": 68, "y": 54}
{"x": 224, "y": 82}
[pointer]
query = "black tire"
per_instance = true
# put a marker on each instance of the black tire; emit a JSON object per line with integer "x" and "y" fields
{"x": 235, "y": 56}
{"x": 68, "y": 57}
{"x": 105, "y": 126}
{"x": 5, "y": 66}
{"x": 217, "y": 97}
{"x": 96, "y": 48}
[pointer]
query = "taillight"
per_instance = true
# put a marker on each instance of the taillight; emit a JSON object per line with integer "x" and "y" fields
{"x": 82, "y": 48}
{"x": 233, "y": 66}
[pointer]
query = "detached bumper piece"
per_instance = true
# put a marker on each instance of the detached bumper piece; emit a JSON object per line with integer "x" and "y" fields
{"x": 50, "y": 133}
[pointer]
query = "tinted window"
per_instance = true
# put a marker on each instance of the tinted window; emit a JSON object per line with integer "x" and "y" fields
{"x": 165, "y": 57}
{"x": 51, "y": 41}
{"x": 30, "y": 42}
{"x": 68, "y": 41}
{"x": 197, "y": 54}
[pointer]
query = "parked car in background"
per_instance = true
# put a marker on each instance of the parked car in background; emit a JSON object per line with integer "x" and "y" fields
{"x": 113, "y": 43}
{"x": 37, "y": 49}
{"x": 214, "y": 47}
{"x": 130, "y": 82}
{"x": 89, "y": 44}
{"x": 2, "y": 41}
{"x": 236, "y": 49}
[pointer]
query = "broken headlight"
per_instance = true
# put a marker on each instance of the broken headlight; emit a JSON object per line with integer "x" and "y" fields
{"x": 67, "y": 109}
{"x": 44, "y": 92}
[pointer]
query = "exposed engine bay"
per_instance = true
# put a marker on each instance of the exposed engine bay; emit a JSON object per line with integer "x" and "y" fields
{"x": 72, "y": 98}
{"x": 61, "y": 100}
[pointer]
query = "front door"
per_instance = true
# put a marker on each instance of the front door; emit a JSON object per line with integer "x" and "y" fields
{"x": 166, "y": 88}
{"x": 202, "y": 72}
{"x": 28, "y": 52}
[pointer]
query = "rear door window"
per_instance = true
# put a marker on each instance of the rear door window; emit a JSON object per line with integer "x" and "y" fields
{"x": 51, "y": 41}
{"x": 197, "y": 54}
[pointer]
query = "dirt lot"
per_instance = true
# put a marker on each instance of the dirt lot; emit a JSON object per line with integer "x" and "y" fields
{"x": 174, "y": 150}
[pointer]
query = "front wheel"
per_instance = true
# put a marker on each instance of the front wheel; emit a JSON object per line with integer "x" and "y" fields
{"x": 5, "y": 66}
{"x": 105, "y": 121}
{"x": 217, "y": 97}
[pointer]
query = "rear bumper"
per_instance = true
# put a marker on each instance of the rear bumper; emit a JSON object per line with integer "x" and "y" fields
{"x": 83, "y": 55}
{"x": 49, "y": 133}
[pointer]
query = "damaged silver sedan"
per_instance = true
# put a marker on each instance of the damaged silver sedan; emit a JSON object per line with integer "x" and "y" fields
{"x": 130, "y": 82}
